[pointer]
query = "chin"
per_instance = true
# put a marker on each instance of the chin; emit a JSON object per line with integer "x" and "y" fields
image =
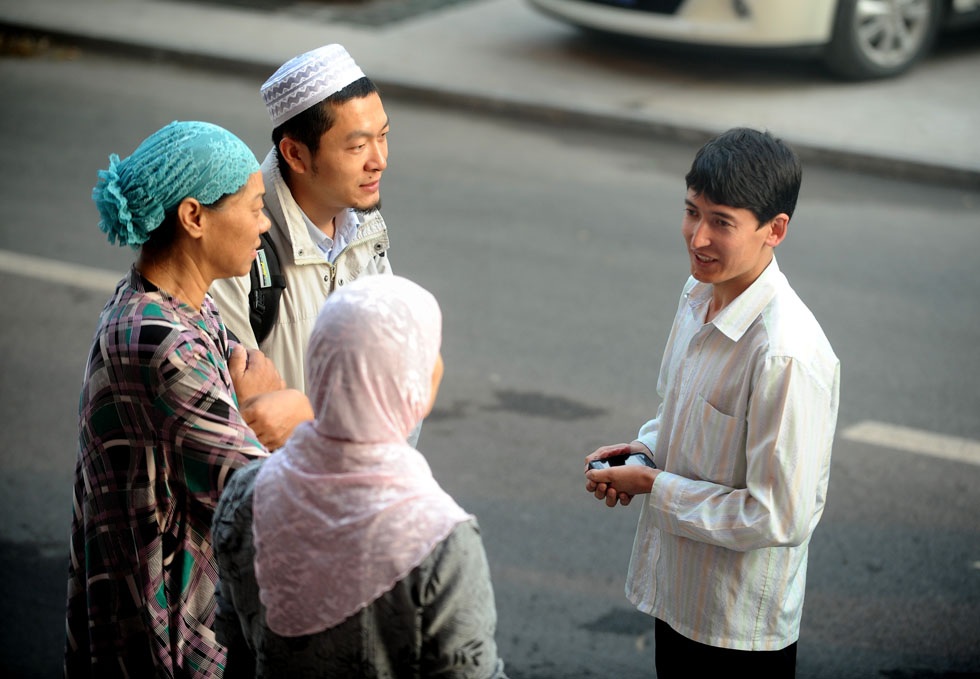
{"x": 241, "y": 272}
{"x": 370, "y": 207}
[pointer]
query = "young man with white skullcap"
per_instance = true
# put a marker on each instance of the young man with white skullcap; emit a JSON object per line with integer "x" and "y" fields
{"x": 322, "y": 182}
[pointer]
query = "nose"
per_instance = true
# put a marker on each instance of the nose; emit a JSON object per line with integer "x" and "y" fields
{"x": 378, "y": 159}
{"x": 699, "y": 237}
{"x": 265, "y": 222}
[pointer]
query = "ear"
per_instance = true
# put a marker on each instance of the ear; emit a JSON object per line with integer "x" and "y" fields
{"x": 777, "y": 229}
{"x": 190, "y": 217}
{"x": 296, "y": 154}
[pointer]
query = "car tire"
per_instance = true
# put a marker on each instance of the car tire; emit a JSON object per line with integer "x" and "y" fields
{"x": 881, "y": 38}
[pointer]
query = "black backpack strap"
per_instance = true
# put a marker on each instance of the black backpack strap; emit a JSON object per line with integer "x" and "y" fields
{"x": 267, "y": 286}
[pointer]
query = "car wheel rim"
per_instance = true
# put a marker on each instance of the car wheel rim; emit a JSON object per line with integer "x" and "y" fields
{"x": 891, "y": 32}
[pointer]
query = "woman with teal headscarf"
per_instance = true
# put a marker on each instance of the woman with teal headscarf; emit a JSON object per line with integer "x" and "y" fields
{"x": 160, "y": 423}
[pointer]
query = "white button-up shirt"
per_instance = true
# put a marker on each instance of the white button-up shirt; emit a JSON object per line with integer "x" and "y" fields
{"x": 345, "y": 231}
{"x": 744, "y": 435}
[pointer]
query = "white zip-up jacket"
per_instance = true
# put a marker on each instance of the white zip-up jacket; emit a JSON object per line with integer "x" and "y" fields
{"x": 309, "y": 277}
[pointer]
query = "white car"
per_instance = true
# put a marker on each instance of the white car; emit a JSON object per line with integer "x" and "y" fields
{"x": 857, "y": 39}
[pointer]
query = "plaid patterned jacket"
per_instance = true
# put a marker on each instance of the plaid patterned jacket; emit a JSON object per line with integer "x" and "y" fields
{"x": 159, "y": 435}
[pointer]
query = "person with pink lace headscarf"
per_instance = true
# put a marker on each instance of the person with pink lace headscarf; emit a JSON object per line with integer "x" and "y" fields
{"x": 341, "y": 555}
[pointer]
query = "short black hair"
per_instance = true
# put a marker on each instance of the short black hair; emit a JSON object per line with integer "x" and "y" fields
{"x": 746, "y": 168}
{"x": 308, "y": 126}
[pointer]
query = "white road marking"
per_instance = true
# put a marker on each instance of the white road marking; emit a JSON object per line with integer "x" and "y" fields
{"x": 54, "y": 271}
{"x": 915, "y": 441}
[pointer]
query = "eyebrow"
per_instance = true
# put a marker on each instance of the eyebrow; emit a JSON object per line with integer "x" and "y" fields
{"x": 718, "y": 213}
{"x": 359, "y": 134}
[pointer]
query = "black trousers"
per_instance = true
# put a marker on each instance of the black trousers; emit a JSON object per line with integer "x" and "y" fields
{"x": 679, "y": 657}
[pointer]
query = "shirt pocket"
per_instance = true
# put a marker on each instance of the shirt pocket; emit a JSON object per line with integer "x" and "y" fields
{"x": 714, "y": 445}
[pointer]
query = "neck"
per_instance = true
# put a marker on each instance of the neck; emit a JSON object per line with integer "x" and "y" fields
{"x": 329, "y": 227}
{"x": 724, "y": 294}
{"x": 323, "y": 217}
{"x": 179, "y": 278}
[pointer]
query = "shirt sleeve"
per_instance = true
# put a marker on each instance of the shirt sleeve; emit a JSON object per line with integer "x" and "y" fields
{"x": 648, "y": 435}
{"x": 459, "y": 612}
{"x": 650, "y": 431}
{"x": 787, "y": 462}
{"x": 209, "y": 437}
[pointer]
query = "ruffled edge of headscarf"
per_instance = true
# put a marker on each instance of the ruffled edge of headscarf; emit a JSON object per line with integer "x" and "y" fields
{"x": 134, "y": 195}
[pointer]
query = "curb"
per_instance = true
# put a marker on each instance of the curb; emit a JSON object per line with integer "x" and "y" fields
{"x": 886, "y": 167}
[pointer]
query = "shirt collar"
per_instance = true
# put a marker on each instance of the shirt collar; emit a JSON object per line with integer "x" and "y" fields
{"x": 345, "y": 229}
{"x": 736, "y": 318}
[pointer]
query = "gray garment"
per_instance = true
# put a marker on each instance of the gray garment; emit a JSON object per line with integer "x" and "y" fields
{"x": 413, "y": 436}
{"x": 437, "y": 622}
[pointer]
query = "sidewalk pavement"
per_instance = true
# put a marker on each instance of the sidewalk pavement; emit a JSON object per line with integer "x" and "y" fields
{"x": 502, "y": 56}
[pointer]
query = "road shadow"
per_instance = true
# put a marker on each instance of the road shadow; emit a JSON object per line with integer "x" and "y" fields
{"x": 32, "y": 610}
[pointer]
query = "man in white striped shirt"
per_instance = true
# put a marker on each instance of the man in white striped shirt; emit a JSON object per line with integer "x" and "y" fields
{"x": 742, "y": 439}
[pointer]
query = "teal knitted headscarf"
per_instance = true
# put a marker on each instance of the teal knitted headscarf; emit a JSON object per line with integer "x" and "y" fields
{"x": 182, "y": 160}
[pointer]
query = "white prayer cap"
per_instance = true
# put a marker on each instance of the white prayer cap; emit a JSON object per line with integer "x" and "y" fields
{"x": 307, "y": 80}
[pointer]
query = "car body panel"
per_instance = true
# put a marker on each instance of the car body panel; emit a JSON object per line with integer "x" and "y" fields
{"x": 768, "y": 23}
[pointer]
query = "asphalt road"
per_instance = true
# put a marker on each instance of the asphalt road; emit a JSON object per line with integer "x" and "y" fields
{"x": 557, "y": 258}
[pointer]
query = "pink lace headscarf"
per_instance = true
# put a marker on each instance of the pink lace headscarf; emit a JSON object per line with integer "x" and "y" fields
{"x": 347, "y": 509}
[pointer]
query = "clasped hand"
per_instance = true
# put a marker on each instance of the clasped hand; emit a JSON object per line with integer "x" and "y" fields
{"x": 267, "y": 406}
{"x": 618, "y": 484}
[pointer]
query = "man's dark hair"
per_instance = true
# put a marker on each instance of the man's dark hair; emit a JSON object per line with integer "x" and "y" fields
{"x": 748, "y": 169}
{"x": 308, "y": 126}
